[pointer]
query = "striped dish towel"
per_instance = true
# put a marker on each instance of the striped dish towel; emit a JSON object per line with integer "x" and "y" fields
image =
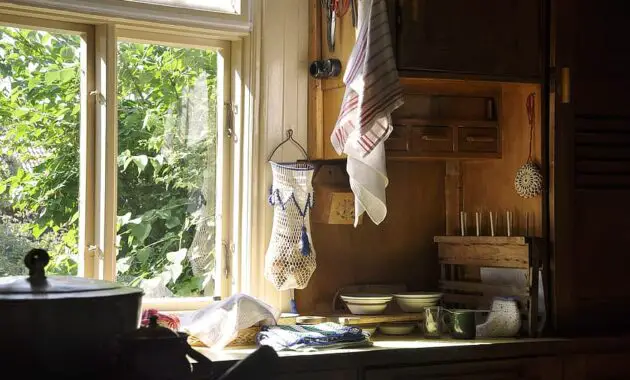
{"x": 373, "y": 92}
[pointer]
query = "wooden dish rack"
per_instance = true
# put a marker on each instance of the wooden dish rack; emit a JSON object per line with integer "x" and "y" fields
{"x": 461, "y": 257}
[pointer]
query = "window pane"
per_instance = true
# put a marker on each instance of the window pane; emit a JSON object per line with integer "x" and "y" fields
{"x": 226, "y": 6}
{"x": 39, "y": 148}
{"x": 167, "y": 133}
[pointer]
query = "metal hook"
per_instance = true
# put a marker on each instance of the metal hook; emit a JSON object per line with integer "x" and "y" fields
{"x": 289, "y": 138}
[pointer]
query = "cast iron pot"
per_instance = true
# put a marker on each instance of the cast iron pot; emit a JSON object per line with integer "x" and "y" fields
{"x": 61, "y": 324}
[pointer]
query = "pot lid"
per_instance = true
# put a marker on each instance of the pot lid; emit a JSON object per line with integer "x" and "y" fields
{"x": 36, "y": 283}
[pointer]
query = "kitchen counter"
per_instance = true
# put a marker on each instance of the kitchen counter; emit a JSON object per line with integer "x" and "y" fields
{"x": 414, "y": 350}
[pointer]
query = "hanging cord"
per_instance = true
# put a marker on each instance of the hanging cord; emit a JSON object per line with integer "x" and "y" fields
{"x": 530, "y": 104}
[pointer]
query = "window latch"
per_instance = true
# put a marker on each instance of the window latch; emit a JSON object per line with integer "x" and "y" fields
{"x": 96, "y": 251}
{"x": 228, "y": 250}
{"x": 100, "y": 98}
{"x": 230, "y": 112}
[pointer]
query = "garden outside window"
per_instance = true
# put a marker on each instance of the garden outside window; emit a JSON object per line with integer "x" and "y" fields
{"x": 114, "y": 155}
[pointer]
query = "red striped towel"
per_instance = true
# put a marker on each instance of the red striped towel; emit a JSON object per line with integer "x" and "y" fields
{"x": 373, "y": 90}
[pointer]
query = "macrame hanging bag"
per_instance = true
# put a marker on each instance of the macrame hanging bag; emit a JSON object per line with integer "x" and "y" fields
{"x": 290, "y": 258}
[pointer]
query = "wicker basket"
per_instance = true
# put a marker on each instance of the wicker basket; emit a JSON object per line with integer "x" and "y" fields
{"x": 245, "y": 337}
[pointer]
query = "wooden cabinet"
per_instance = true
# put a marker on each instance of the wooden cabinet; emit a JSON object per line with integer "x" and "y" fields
{"x": 446, "y": 123}
{"x": 317, "y": 375}
{"x": 494, "y": 38}
{"x": 521, "y": 369}
{"x": 591, "y": 165}
{"x": 597, "y": 367}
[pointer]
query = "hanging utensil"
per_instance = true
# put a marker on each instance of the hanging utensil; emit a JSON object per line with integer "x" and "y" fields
{"x": 529, "y": 179}
{"x": 328, "y": 8}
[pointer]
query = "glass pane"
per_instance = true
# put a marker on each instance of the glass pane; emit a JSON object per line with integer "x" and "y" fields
{"x": 167, "y": 133}
{"x": 39, "y": 148}
{"x": 225, "y": 6}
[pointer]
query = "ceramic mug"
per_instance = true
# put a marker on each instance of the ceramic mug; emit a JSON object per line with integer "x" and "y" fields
{"x": 461, "y": 323}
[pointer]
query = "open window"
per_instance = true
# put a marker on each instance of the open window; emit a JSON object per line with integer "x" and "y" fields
{"x": 114, "y": 155}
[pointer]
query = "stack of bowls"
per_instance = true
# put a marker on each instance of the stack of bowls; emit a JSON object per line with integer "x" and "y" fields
{"x": 415, "y": 302}
{"x": 366, "y": 303}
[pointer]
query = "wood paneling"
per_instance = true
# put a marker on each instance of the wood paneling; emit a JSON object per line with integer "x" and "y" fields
{"x": 400, "y": 250}
{"x": 326, "y": 94}
{"x": 489, "y": 185}
{"x": 283, "y": 92}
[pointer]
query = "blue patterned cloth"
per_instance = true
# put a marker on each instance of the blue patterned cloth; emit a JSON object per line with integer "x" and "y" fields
{"x": 312, "y": 337}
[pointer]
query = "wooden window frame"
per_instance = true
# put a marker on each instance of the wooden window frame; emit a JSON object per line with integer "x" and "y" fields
{"x": 97, "y": 198}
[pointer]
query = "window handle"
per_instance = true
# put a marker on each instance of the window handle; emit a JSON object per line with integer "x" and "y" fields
{"x": 96, "y": 251}
{"x": 230, "y": 112}
{"x": 100, "y": 98}
{"x": 228, "y": 249}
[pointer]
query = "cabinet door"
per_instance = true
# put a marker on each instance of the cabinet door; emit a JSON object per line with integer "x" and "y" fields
{"x": 526, "y": 369}
{"x": 597, "y": 367}
{"x": 486, "y": 37}
{"x": 317, "y": 375}
{"x": 591, "y": 166}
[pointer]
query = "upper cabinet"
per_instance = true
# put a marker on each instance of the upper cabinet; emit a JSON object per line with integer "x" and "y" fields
{"x": 497, "y": 39}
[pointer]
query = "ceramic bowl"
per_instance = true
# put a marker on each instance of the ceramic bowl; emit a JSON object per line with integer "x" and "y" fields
{"x": 415, "y": 302}
{"x": 366, "y": 303}
{"x": 397, "y": 328}
{"x": 366, "y": 309}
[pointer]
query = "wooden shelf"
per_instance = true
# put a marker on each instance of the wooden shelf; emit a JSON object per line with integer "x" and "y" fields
{"x": 446, "y": 122}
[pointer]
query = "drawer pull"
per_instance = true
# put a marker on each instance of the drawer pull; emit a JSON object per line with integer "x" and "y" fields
{"x": 480, "y": 139}
{"x": 434, "y": 138}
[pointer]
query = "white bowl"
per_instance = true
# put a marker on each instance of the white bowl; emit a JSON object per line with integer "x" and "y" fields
{"x": 366, "y": 298}
{"x": 366, "y": 309}
{"x": 416, "y": 302}
{"x": 419, "y": 295}
{"x": 396, "y": 328}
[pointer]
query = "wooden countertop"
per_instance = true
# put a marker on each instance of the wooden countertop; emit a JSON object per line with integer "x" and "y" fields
{"x": 415, "y": 350}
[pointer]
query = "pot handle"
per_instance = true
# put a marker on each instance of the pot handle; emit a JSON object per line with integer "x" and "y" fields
{"x": 36, "y": 260}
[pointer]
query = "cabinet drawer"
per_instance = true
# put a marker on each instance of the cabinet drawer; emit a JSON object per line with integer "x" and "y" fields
{"x": 398, "y": 140}
{"x": 431, "y": 139}
{"x": 478, "y": 140}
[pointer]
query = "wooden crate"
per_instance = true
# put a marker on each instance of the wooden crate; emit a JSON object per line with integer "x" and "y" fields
{"x": 461, "y": 257}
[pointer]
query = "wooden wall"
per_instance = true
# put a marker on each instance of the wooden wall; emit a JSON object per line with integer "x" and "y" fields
{"x": 424, "y": 197}
{"x": 400, "y": 250}
{"x": 424, "y": 200}
{"x": 488, "y": 184}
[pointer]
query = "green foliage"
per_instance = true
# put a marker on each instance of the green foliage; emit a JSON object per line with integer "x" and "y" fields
{"x": 166, "y": 161}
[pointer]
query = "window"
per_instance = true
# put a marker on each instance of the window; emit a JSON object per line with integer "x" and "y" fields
{"x": 40, "y": 109}
{"x": 114, "y": 155}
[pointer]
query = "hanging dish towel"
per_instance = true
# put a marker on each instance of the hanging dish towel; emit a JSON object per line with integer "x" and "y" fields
{"x": 373, "y": 92}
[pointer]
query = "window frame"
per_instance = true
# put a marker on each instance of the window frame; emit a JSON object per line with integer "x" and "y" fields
{"x": 99, "y": 169}
{"x": 138, "y": 12}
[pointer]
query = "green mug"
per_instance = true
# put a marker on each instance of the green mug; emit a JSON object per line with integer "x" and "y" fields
{"x": 461, "y": 323}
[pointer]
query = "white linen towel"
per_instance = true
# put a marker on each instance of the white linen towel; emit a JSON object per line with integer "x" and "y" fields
{"x": 373, "y": 92}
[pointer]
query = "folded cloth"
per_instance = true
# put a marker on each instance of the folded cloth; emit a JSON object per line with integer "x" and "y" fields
{"x": 165, "y": 320}
{"x": 218, "y": 323}
{"x": 373, "y": 92}
{"x": 312, "y": 337}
